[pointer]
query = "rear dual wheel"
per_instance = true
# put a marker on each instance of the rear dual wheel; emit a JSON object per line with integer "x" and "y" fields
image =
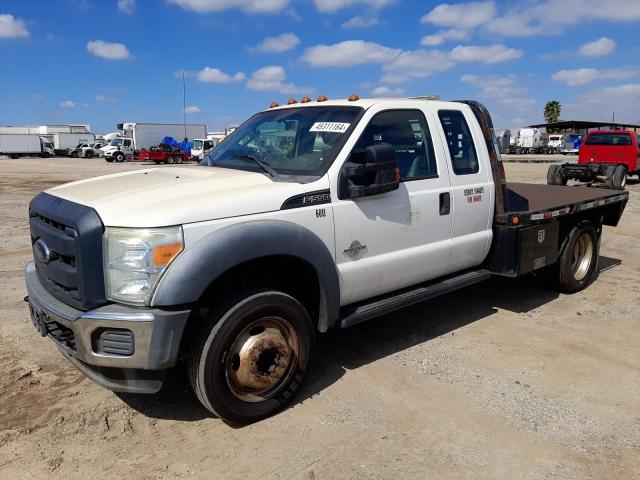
{"x": 252, "y": 356}
{"x": 554, "y": 175}
{"x": 576, "y": 267}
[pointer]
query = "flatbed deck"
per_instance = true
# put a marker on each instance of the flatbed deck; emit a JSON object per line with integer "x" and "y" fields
{"x": 532, "y": 202}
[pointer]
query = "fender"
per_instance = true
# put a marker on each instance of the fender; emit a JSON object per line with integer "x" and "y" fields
{"x": 195, "y": 268}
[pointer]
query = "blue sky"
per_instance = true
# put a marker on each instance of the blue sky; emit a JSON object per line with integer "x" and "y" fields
{"x": 107, "y": 61}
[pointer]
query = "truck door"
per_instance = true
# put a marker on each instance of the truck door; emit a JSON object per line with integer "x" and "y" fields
{"x": 472, "y": 189}
{"x": 127, "y": 146}
{"x": 400, "y": 238}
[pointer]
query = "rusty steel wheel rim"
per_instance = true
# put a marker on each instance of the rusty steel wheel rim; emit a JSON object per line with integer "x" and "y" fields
{"x": 582, "y": 256}
{"x": 262, "y": 359}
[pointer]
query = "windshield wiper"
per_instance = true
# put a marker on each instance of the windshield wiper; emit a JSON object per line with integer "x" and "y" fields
{"x": 261, "y": 163}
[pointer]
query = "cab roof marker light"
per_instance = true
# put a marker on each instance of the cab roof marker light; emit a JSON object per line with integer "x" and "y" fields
{"x": 305, "y": 99}
{"x": 291, "y": 101}
{"x": 353, "y": 97}
{"x": 274, "y": 105}
{"x": 322, "y": 98}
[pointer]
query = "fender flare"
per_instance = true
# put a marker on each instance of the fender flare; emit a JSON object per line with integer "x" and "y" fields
{"x": 198, "y": 266}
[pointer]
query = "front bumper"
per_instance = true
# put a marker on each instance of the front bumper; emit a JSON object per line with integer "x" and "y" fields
{"x": 121, "y": 348}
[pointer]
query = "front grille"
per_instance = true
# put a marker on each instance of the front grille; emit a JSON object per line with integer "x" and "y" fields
{"x": 62, "y": 334}
{"x": 67, "y": 242}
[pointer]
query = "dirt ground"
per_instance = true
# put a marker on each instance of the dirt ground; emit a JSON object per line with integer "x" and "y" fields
{"x": 501, "y": 380}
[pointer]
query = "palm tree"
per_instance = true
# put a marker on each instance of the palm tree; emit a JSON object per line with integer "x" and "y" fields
{"x": 552, "y": 111}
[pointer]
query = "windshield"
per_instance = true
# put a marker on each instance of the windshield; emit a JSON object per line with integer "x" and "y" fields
{"x": 299, "y": 142}
{"x": 116, "y": 142}
{"x": 609, "y": 139}
{"x": 197, "y": 144}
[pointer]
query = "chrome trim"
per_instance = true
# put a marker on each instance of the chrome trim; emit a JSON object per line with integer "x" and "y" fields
{"x": 118, "y": 317}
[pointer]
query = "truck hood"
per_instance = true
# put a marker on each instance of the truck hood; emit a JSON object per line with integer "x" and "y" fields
{"x": 164, "y": 196}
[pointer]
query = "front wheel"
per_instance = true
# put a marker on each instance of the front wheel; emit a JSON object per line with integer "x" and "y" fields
{"x": 578, "y": 261}
{"x": 119, "y": 157}
{"x": 253, "y": 356}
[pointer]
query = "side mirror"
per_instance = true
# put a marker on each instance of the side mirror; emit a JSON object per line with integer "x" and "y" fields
{"x": 373, "y": 171}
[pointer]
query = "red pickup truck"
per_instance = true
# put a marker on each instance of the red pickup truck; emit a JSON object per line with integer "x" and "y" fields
{"x": 606, "y": 156}
{"x": 163, "y": 156}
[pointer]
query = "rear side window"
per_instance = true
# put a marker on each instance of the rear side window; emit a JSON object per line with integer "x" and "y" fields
{"x": 614, "y": 139}
{"x": 464, "y": 158}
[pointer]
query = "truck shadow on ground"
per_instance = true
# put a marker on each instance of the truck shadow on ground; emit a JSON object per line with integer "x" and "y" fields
{"x": 341, "y": 350}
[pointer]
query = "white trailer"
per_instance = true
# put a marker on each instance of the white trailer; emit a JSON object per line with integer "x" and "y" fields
{"x": 17, "y": 145}
{"x": 146, "y": 135}
{"x": 63, "y": 142}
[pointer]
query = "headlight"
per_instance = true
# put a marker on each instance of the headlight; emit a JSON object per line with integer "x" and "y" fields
{"x": 134, "y": 260}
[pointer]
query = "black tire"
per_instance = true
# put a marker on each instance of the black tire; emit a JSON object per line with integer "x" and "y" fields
{"x": 88, "y": 154}
{"x": 109, "y": 159}
{"x": 619, "y": 178}
{"x": 119, "y": 157}
{"x": 170, "y": 160}
{"x": 219, "y": 376}
{"x": 179, "y": 159}
{"x": 554, "y": 175}
{"x": 14, "y": 155}
{"x": 44, "y": 155}
{"x": 578, "y": 262}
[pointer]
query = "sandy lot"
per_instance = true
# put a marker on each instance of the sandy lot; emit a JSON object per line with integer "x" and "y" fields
{"x": 502, "y": 380}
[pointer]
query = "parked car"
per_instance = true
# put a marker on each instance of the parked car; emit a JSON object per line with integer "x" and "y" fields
{"x": 308, "y": 217}
{"x": 88, "y": 150}
{"x": 606, "y": 156}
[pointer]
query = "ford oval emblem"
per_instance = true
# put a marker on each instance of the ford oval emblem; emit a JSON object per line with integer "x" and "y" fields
{"x": 41, "y": 251}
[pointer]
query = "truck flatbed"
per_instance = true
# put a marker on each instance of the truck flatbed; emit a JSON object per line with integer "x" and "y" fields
{"x": 535, "y": 202}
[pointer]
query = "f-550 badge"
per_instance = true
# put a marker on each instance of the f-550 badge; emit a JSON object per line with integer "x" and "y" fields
{"x": 354, "y": 249}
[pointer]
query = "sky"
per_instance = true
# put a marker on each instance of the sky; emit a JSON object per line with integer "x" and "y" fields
{"x": 104, "y": 62}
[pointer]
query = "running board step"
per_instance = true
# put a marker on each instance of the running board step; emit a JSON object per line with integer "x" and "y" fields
{"x": 382, "y": 306}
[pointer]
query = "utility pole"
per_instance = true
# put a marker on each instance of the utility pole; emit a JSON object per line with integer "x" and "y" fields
{"x": 184, "y": 106}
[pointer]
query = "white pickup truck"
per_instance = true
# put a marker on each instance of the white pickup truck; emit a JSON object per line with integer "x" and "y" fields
{"x": 311, "y": 216}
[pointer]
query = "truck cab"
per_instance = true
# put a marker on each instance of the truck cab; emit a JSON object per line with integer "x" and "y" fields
{"x": 201, "y": 147}
{"x": 308, "y": 217}
{"x": 118, "y": 149}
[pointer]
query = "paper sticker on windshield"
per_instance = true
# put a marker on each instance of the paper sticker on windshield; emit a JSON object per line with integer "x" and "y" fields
{"x": 334, "y": 127}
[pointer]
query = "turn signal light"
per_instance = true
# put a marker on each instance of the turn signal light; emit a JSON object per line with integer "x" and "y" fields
{"x": 322, "y": 98}
{"x": 163, "y": 254}
{"x": 292, "y": 101}
{"x": 305, "y": 100}
{"x": 353, "y": 97}
{"x": 397, "y": 174}
{"x": 515, "y": 220}
{"x": 274, "y": 105}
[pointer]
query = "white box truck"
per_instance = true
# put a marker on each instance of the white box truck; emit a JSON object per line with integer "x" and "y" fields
{"x": 139, "y": 136}
{"x": 64, "y": 143}
{"x": 16, "y": 145}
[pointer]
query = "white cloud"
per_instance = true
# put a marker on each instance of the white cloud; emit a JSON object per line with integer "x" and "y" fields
{"x": 272, "y": 79}
{"x": 347, "y": 53}
{"x": 361, "y": 22}
{"x": 192, "y": 109}
{"x": 11, "y": 27}
{"x": 105, "y": 98}
{"x": 214, "y": 75}
{"x": 550, "y": 17}
{"x": 249, "y": 6}
{"x": 489, "y": 54}
{"x": 387, "y": 92}
{"x": 601, "y": 103}
{"x": 461, "y": 16}
{"x": 127, "y": 6}
{"x": 582, "y": 76}
{"x": 416, "y": 64}
{"x": 67, "y": 104}
{"x": 330, "y": 6}
{"x": 441, "y": 37}
{"x": 503, "y": 91}
{"x": 602, "y": 46}
{"x": 277, "y": 44}
{"x": 110, "y": 51}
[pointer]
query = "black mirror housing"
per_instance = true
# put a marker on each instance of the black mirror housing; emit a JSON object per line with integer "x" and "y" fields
{"x": 373, "y": 171}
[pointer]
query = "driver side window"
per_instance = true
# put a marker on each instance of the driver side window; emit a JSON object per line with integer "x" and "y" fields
{"x": 407, "y": 132}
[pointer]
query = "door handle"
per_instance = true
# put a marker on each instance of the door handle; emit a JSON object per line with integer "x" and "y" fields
{"x": 445, "y": 203}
